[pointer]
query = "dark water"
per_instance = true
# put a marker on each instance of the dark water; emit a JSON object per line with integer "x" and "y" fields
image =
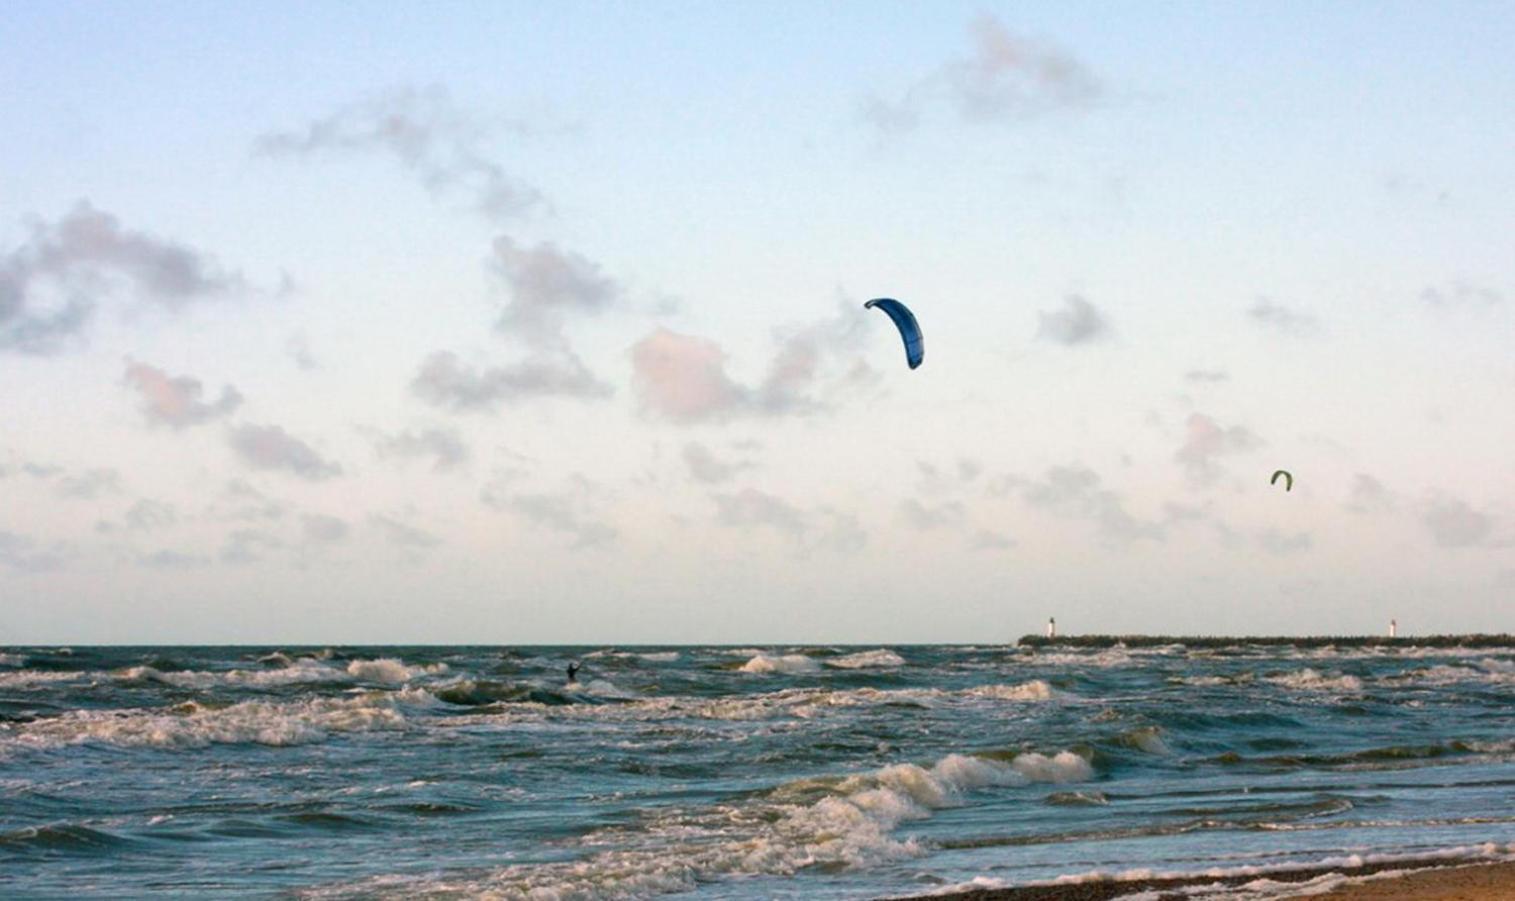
{"x": 758, "y": 773}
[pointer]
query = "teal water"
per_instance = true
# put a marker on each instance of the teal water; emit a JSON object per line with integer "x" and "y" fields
{"x": 812, "y": 772}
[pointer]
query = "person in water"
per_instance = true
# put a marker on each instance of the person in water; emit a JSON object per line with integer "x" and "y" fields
{"x": 573, "y": 673}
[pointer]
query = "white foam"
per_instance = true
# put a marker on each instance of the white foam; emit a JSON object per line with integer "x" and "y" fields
{"x": 12, "y": 659}
{"x": 1309, "y": 679}
{"x": 867, "y": 660}
{"x": 303, "y": 670}
{"x": 675, "y": 850}
{"x": 26, "y": 678}
{"x": 390, "y": 671}
{"x": 788, "y": 664}
{"x": 1035, "y": 690}
{"x": 195, "y": 726}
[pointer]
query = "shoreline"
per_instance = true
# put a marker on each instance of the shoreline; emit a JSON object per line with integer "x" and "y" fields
{"x": 1472, "y": 640}
{"x": 1420, "y": 879}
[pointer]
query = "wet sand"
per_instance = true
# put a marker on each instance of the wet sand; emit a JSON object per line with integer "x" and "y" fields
{"x": 1427, "y": 880}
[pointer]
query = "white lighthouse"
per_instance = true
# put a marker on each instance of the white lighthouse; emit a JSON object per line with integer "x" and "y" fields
{"x": 1393, "y": 628}
{"x": 1051, "y": 627}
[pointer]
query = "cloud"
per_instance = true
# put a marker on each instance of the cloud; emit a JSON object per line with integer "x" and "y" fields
{"x": 319, "y": 528}
{"x": 547, "y": 284}
{"x": 167, "y": 559}
{"x": 1075, "y": 491}
{"x": 175, "y": 401}
{"x": 558, "y": 512}
{"x": 49, "y": 286}
{"x": 683, "y": 378}
{"x": 1006, "y": 77}
{"x": 1281, "y": 319}
{"x": 298, "y": 348}
{"x": 20, "y": 553}
{"x": 931, "y": 516}
{"x": 146, "y": 515}
{"x": 705, "y": 467}
{"x": 427, "y": 135}
{"x": 445, "y": 447}
{"x": 446, "y": 381}
{"x": 1369, "y": 495}
{"x": 840, "y": 532}
{"x": 1205, "y": 441}
{"x": 402, "y": 534}
{"x": 1206, "y": 375}
{"x": 984, "y": 540}
{"x": 750, "y": 508}
{"x": 90, "y": 484}
{"x": 1078, "y": 322}
{"x": 1452, "y": 523}
{"x": 1461, "y": 295}
{"x": 271, "y": 448}
{"x": 241, "y": 502}
{"x": 1279, "y": 543}
{"x": 248, "y": 546}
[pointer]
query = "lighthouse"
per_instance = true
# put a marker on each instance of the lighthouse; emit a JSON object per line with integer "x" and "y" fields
{"x": 1393, "y": 628}
{"x": 1051, "y": 627}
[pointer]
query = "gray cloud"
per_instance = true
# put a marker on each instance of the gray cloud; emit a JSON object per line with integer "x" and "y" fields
{"x": 299, "y": 351}
{"x": 90, "y": 484}
{"x": 1452, "y": 523}
{"x": 705, "y": 467}
{"x": 1282, "y": 319}
{"x": 146, "y": 515}
{"x": 1075, "y": 491}
{"x": 271, "y": 448}
{"x": 559, "y": 513}
{"x": 21, "y": 553}
{"x": 1369, "y": 495}
{"x": 1206, "y": 375}
{"x": 749, "y": 507}
{"x": 931, "y": 516}
{"x": 1205, "y": 441}
{"x": 1461, "y": 295}
{"x": 248, "y": 546}
{"x": 402, "y": 534}
{"x": 546, "y": 285}
{"x": 1275, "y": 542}
{"x": 318, "y": 528}
{"x": 840, "y": 532}
{"x": 446, "y": 381}
{"x": 1078, "y": 322}
{"x": 985, "y": 540}
{"x": 50, "y": 286}
{"x": 683, "y": 378}
{"x": 1007, "y": 77}
{"x": 241, "y": 502}
{"x": 175, "y": 401}
{"x": 445, "y": 447}
{"x": 423, "y": 131}
{"x": 168, "y": 559}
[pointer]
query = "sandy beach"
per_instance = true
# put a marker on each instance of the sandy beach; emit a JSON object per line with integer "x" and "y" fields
{"x": 1421, "y": 880}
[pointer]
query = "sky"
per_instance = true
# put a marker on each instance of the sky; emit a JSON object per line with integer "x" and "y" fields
{"x": 543, "y": 323}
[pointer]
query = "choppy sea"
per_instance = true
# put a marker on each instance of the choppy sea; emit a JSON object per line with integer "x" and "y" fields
{"x": 763, "y": 772}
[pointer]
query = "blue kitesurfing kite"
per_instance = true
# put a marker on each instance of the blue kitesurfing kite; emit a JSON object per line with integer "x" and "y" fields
{"x": 910, "y": 330}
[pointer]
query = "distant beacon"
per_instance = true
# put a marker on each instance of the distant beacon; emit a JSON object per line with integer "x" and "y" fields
{"x": 1393, "y": 628}
{"x": 1051, "y": 627}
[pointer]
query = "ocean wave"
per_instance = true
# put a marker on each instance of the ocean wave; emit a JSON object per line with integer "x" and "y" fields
{"x": 788, "y": 664}
{"x": 16, "y": 660}
{"x": 852, "y": 824}
{"x": 390, "y": 670}
{"x": 1309, "y": 679}
{"x": 192, "y": 725}
{"x": 867, "y": 660}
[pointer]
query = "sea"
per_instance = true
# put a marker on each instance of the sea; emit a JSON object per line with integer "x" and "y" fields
{"x": 736, "y": 772}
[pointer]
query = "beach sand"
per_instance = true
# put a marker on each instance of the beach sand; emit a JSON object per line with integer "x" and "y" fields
{"x": 1419, "y": 880}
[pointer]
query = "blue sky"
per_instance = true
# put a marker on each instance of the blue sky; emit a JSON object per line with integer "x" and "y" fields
{"x": 544, "y": 324}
